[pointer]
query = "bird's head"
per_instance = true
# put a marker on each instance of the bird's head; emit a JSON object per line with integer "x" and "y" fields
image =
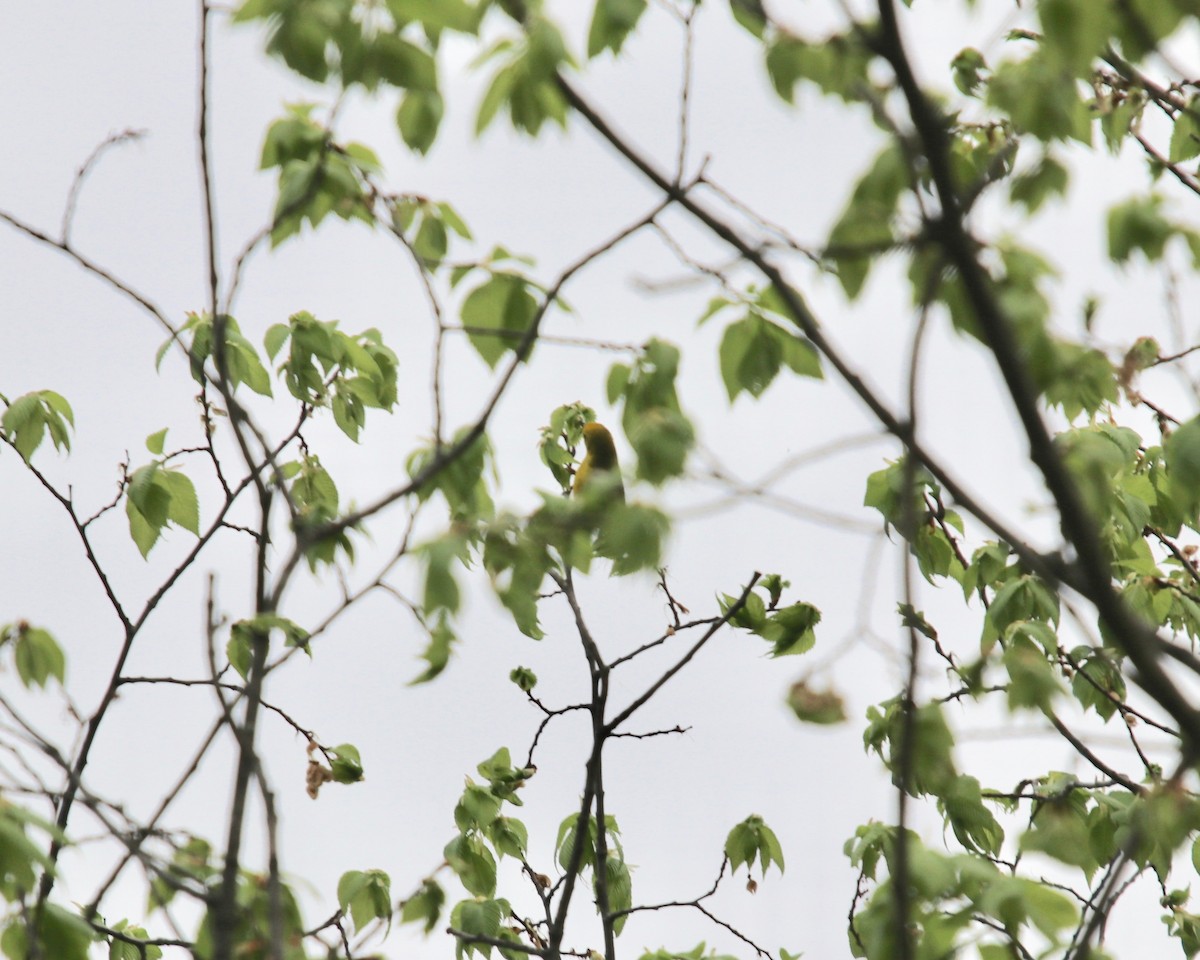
{"x": 600, "y": 444}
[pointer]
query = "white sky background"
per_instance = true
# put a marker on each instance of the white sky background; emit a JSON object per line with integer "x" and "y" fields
{"x": 73, "y": 74}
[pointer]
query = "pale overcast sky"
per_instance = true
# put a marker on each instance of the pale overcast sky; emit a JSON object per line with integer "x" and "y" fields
{"x": 74, "y": 74}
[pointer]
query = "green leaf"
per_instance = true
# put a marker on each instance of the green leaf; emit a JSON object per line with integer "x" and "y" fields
{"x": 502, "y": 304}
{"x": 184, "y": 509}
{"x": 1020, "y": 598}
{"x": 403, "y": 64}
{"x": 1185, "y": 135}
{"x": 612, "y": 23}
{"x": 1042, "y": 97}
{"x": 933, "y": 770}
{"x": 617, "y": 381}
{"x": 28, "y": 418}
{"x": 864, "y": 230}
{"x": 1147, "y": 24}
{"x": 791, "y": 630}
{"x": 122, "y": 950}
{"x": 61, "y": 934}
{"x": 436, "y": 14}
{"x": 276, "y": 336}
{"x": 494, "y": 98}
{"x": 1138, "y": 225}
{"x": 1077, "y": 379}
{"x": 154, "y": 442}
{"x": 240, "y": 651}
{"x": 751, "y": 839}
{"x": 142, "y": 532}
{"x": 479, "y": 918}
{"x": 516, "y": 560}
{"x": 568, "y": 836}
{"x": 476, "y": 809}
{"x": 462, "y": 482}
{"x": 1032, "y": 189}
{"x": 431, "y": 242}
{"x": 1049, "y": 910}
{"x": 149, "y": 494}
{"x": 752, "y": 615}
{"x": 22, "y": 858}
{"x": 245, "y": 367}
{"x": 425, "y": 906}
{"x": 973, "y": 824}
{"x": 1060, "y": 830}
{"x": 441, "y": 587}
{"x": 37, "y": 655}
{"x": 509, "y": 837}
{"x": 437, "y": 653}
{"x": 316, "y": 176}
{"x": 453, "y": 221}
{"x": 155, "y": 497}
{"x": 294, "y": 635}
{"x": 524, "y": 678}
{"x": 1032, "y": 681}
{"x": 967, "y": 68}
{"x": 1182, "y": 449}
{"x": 365, "y": 896}
{"x": 418, "y": 118}
{"x": 750, "y": 356}
{"x": 619, "y": 886}
{"x": 473, "y": 863}
{"x": 750, "y": 15}
{"x": 347, "y": 764}
{"x": 632, "y": 536}
{"x": 527, "y": 83}
{"x": 837, "y": 65}
{"x": 1097, "y": 683}
{"x": 1075, "y": 32}
{"x": 662, "y": 439}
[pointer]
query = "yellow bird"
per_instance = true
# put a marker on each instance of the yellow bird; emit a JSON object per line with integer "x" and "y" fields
{"x": 600, "y": 462}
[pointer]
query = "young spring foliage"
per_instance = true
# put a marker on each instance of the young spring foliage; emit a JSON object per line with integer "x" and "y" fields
{"x": 1080, "y": 624}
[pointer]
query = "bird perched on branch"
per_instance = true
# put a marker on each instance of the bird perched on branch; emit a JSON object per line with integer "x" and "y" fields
{"x": 598, "y": 474}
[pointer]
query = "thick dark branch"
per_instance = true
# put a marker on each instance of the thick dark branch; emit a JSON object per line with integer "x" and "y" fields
{"x": 1093, "y": 576}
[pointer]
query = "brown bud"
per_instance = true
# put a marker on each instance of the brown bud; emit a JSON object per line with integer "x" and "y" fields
{"x": 752, "y": 885}
{"x": 316, "y": 775}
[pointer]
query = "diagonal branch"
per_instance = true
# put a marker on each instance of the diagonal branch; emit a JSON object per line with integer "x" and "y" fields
{"x": 1093, "y": 576}
{"x": 733, "y": 611}
{"x": 1049, "y": 568}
